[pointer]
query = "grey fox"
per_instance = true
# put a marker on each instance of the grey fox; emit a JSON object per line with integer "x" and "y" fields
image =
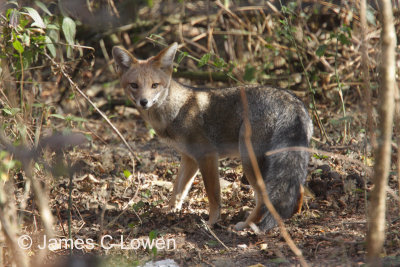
{"x": 205, "y": 125}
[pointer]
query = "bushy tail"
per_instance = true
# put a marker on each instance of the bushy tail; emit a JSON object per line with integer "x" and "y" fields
{"x": 284, "y": 174}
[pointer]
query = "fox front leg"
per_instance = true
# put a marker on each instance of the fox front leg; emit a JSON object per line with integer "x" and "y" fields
{"x": 186, "y": 174}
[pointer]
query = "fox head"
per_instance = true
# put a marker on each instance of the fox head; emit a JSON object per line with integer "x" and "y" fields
{"x": 146, "y": 82}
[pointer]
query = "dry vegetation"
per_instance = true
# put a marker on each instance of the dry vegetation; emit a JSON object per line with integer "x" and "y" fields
{"x": 53, "y": 135}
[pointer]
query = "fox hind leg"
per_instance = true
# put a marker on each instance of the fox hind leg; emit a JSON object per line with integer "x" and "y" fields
{"x": 256, "y": 214}
{"x": 209, "y": 170}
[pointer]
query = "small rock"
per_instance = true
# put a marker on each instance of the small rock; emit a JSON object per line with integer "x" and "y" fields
{"x": 165, "y": 184}
{"x": 242, "y": 246}
{"x": 162, "y": 263}
{"x": 224, "y": 184}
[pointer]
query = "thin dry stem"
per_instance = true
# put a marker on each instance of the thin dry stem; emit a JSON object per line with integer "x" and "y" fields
{"x": 22, "y": 82}
{"x": 365, "y": 72}
{"x": 213, "y": 234}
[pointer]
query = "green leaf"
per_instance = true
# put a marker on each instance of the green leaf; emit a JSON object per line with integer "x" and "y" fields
{"x": 50, "y": 46}
{"x": 138, "y": 206}
{"x": 13, "y": 2}
{"x": 18, "y": 46}
{"x": 43, "y": 7}
{"x": 69, "y": 30}
{"x": 150, "y": 3}
{"x": 249, "y": 73}
{"x": 181, "y": 56}
{"x": 11, "y": 111}
{"x": 54, "y": 35}
{"x": 26, "y": 40}
{"x": 204, "y": 60}
{"x": 317, "y": 171}
{"x": 127, "y": 173}
{"x": 146, "y": 194}
{"x": 38, "y": 105}
{"x": 53, "y": 27}
{"x": 152, "y": 132}
{"x": 74, "y": 118}
{"x": 219, "y": 62}
{"x": 13, "y": 16}
{"x": 38, "y": 21}
{"x": 346, "y": 118}
{"x": 371, "y": 16}
{"x": 59, "y": 116}
{"x": 343, "y": 39}
{"x": 37, "y": 166}
{"x": 346, "y": 29}
{"x": 321, "y": 50}
{"x": 320, "y": 156}
{"x": 154, "y": 250}
{"x": 153, "y": 235}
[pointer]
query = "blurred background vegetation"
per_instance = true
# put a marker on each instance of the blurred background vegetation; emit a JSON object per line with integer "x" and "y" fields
{"x": 48, "y": 49}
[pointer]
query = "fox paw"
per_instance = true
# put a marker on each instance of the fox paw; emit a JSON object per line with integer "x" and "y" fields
{"x": 214, "y": 217}
{"x": 170, "y": 209}
{"x": 240, "y": 226}
{"x": 212, "y": 222}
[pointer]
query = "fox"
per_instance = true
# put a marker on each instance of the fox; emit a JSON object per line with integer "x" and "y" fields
{"x": 207, "y": 124}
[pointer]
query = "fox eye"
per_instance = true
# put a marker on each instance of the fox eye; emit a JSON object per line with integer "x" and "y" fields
{"x": 134, "y": 85}
{"x": 154, "y": 85}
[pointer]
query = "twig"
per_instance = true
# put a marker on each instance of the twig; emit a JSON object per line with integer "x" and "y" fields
{"x": 105, "y": 54}
{"x": 365, "y": 72}
{"x": 114, "y": 9}
{"x": 22, "y": 82}
{"x": 340, "y": 91}
{"x": 124, "y": 209}
{"x": 213, "y": 234}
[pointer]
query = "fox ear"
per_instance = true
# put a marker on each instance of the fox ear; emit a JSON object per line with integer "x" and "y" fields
{"x": 123, "y": 59}
{"x": 165, "y": 58}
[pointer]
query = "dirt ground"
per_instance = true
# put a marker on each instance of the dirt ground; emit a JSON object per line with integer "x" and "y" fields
{"x": 120, "y": 196}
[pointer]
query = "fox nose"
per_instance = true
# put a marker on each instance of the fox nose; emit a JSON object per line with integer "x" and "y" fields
{"x": 143, "y": 102}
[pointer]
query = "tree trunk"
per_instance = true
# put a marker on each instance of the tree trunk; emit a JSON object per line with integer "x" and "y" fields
{"x": 376, "y": 229}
